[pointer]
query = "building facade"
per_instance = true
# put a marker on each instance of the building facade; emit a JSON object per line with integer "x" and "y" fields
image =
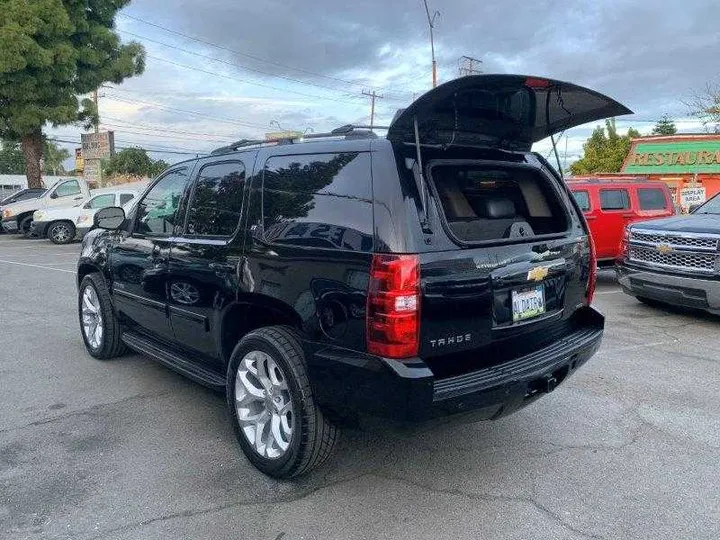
{"x": 689, "y": 164}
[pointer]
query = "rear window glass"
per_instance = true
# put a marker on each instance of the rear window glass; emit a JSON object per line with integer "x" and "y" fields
{"x": 484, "y": 204}
{"x": 319, "y": 200}
{"x": 614, "y": 199}
{"x": 583, "y": 199}
{"x": 652, "y": 199}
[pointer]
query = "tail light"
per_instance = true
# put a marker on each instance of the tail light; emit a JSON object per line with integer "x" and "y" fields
{"x": 592, "y": 274}
{"x": 393, "y": 306}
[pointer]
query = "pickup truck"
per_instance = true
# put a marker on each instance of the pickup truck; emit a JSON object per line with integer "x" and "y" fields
{"x": 674, "y": 261}
{"x": 17, "y": 217}
{"x": 65, "y": 224}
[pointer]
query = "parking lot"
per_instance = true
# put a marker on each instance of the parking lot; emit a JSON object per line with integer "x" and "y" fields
{"x": 627, "y": 448}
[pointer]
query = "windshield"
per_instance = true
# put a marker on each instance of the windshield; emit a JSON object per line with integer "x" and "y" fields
{"x": 710, "y": 207}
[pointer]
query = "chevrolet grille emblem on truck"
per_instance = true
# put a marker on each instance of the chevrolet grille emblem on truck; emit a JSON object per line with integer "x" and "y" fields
{"x": 537, "y": 274}
{"x": 664, "y": 249}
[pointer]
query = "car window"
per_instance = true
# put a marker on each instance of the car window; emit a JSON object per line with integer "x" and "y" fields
{"x": 652, "y": 199}
{"x": 156, "y": 213}
{"x": 66, "y": 189}
{"x": 583, "y": 199}
{"x": 321, "y": 200}
{"x": 614, "y": 199}
{"x": 102, "y": 201}
{"x": 217, "y": 200}
{"x": 126, "y": 198}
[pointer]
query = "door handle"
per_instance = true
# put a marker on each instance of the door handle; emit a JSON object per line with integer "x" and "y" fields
{"x": 628, "y": 215}
{"x": 590, "y": 217}
{"x": 226, "y": 268}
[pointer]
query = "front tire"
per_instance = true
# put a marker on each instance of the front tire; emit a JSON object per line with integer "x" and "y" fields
{"x": 99, "y": 326}
{"x": 61, "y": 232}
{"x": 279, "y": 426}
{"x": 24, "y": 226}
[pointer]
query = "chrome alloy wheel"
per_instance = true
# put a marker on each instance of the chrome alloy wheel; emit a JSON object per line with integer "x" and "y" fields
{"x": 60, "y": 233}
{"x": 263, "y": 404}
{"x": 92, "y": 321}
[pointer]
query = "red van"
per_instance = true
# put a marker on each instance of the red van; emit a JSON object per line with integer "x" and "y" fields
{"x": 610, "y": 205}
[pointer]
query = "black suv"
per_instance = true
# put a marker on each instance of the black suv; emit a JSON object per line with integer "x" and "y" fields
{"x": 441, "y": 269}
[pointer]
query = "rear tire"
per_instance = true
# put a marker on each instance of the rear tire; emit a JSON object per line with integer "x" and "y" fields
{"x": 61, "y": 232}
{"x": 312, "y": 437}
{"x": 95, "y": 306}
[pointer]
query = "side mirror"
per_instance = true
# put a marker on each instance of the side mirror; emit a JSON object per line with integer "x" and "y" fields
{"x": 110, "y": 218}
{"x": 694, "y": 207}
{"x": 54, "y": 195}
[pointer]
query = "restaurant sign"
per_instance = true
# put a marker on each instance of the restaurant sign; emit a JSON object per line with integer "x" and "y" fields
{"x": 674, "y": 157}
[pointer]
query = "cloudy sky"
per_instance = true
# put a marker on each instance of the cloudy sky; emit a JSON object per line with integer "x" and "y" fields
{"x": 221, "y": 70}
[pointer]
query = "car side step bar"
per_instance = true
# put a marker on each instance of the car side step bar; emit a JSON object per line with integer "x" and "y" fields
{"x": 174, "y": 361}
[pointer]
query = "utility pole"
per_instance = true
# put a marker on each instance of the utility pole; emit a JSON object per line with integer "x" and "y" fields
{"x": 97, "y": 111}
{"x": 373, "y": 96}
{"x": 466, "y": 66}
{"x": 431, "y": 24}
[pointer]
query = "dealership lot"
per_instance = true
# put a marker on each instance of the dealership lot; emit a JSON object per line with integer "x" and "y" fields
{"x": 627, "y": 448}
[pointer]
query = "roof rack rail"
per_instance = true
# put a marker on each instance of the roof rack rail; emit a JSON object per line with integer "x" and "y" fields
{"x": 349, "y": 131}
{"x": 237, "y": 145}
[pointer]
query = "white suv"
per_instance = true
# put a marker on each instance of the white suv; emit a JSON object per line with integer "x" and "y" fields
{"x": 63, "y": 225}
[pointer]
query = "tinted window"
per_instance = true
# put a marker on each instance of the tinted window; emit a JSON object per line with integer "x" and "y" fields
{"x": 319, "y": 201}
{"x": 156, "y": 213}
{"x": 125, "y": 198}
{"x": 28, "y": 196}
{"x": 614, "y": 199}
{"x": 346, "y": 174}
{"x": 583, "y": 199}
{"x": 102, "y": 201}
{"x": 217, "y": 200}
{"x": 652, "y": 199}
{"x": 68, "y": 188}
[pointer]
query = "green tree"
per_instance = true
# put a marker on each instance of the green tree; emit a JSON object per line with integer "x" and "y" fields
{"x": 604, "y": 152}
{"x": 11, "y": 158}
{"x": 54, "y": 157}
{"x": 135, "y": 162}
{"x": 51, "y": 52}
{"x": 665, "y": 126}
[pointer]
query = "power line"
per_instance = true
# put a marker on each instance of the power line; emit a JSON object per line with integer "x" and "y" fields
{"x": 166, "y": 129}
{"x": 184, "y": 111}
{"x": 356, "y": 83}
{"x": 245, "y": 81}
{"x": 213, "y": 59}
{"x": 128, "y": 147}
{"x": 124, "y": 129}
{"x": 246, "y": 55}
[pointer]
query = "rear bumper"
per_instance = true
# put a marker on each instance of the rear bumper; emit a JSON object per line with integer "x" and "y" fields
{"x": 360, "y": 384}
{"x": 684, "y": 291}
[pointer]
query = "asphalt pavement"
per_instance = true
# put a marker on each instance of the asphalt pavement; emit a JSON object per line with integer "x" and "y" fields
{"x": 629, "y": 447}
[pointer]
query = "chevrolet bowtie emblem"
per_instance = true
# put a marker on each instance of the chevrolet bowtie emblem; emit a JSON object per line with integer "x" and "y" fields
{"x": 664, "y": 249}
{"x": 537, "y": 274}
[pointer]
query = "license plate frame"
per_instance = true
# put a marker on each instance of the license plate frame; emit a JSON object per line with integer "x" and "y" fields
{"x": 527, "y": 303}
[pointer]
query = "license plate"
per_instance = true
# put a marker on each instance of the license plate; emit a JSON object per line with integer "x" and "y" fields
{"x": 528, "y": 303}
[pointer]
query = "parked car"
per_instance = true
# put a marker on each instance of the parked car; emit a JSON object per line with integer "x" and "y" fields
{"x": 676, "y": 260}
{"x": 17, "y": 217}
{"x": 65, "y": 224}
{"x": 21, "y": 195}
{"x": 611, "y": 205}
{"x": 442, "y": 269}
